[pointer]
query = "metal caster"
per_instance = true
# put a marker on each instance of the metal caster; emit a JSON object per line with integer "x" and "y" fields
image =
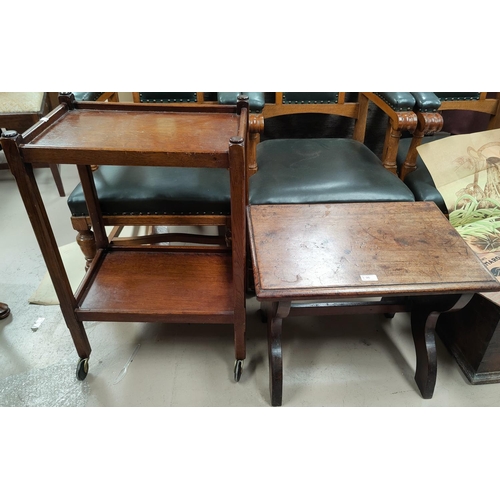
{"x": 238, "y": 369}
{"x": 82, "y": 368}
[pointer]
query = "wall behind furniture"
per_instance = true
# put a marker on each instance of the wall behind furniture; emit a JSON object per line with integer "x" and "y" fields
{"x": 125, "y": 97}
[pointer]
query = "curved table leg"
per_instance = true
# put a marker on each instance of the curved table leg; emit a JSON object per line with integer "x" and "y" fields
{"x": 424, "y": 315}
{"x": 275, "y": 313}
{"x": 423, "y": 325}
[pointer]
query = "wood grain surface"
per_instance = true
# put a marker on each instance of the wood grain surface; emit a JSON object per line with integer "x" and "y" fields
{"x": 135, "y": 138}
{"x": 154, "y": 285}
{"x": 360, "y": 249}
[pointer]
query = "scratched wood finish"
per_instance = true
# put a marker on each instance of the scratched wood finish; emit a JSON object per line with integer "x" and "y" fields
{"x": 90, "y": 136}
{"x": 403, "y": 252}
{"x": 315, "y": 251}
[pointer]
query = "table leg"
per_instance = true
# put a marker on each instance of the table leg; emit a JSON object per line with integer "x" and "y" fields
{"x": 40, "y": 222}
{"x": 423, "y": 329}
{"x": 275, "y": 312}
{"x": 424, "y": 315}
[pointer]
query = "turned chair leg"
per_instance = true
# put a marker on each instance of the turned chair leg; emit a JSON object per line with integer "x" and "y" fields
{"x": 391, "y": 145}
{"x": 428, "y": 123}
{"x": 86, "y": 242}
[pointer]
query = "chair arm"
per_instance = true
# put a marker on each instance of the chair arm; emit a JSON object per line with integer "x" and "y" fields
{"x": 398, "y": 101}
{"x": 426, "y": 102}
{"x": 397, "y": 105}
{"x": 256, "y": 99}
{"x": 399, "y": 108}
{"x": 430, "y": 122}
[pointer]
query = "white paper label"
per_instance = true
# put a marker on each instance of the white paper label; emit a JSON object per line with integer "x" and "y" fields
{"x": 369, "y": 277}
{"x": 37, "y": 324}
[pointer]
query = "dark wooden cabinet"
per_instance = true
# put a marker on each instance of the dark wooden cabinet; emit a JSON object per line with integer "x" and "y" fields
{"x": 472, "y": 336}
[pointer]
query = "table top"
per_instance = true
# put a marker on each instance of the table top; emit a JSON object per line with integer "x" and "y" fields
{"x": 123, "y": 135}
{"x": 353, "y": 250}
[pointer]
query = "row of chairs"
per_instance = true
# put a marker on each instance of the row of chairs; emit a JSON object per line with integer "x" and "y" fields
{"x": 291, "y": 167}
{"x": 293, "y": 157}
{"x": 282, "y": 170}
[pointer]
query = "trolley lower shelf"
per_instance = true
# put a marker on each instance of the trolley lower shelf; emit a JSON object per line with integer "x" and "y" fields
{"x": 152, "y": 285}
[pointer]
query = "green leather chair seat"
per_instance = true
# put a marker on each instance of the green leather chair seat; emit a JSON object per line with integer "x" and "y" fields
{"x": 290, "y": 171}
{"x": 420, "y": 180}
{"x": 322, "y": 171}
{"x": 156, "y": 190}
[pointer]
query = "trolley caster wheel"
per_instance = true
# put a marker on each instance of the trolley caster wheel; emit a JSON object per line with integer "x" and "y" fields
{"x": 82, "y": 368}
{"x": 238, "y": 369}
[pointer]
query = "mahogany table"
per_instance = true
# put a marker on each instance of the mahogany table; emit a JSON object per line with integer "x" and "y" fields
{"x": 140, "y": 283}
{"x": 329, "y": 259}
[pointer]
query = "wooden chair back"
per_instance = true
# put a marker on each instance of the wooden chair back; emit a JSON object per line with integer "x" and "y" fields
{"x": 400, "y": 116}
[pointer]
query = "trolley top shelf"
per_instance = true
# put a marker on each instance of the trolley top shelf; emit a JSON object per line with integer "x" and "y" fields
{"x": 131, "y": 134}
